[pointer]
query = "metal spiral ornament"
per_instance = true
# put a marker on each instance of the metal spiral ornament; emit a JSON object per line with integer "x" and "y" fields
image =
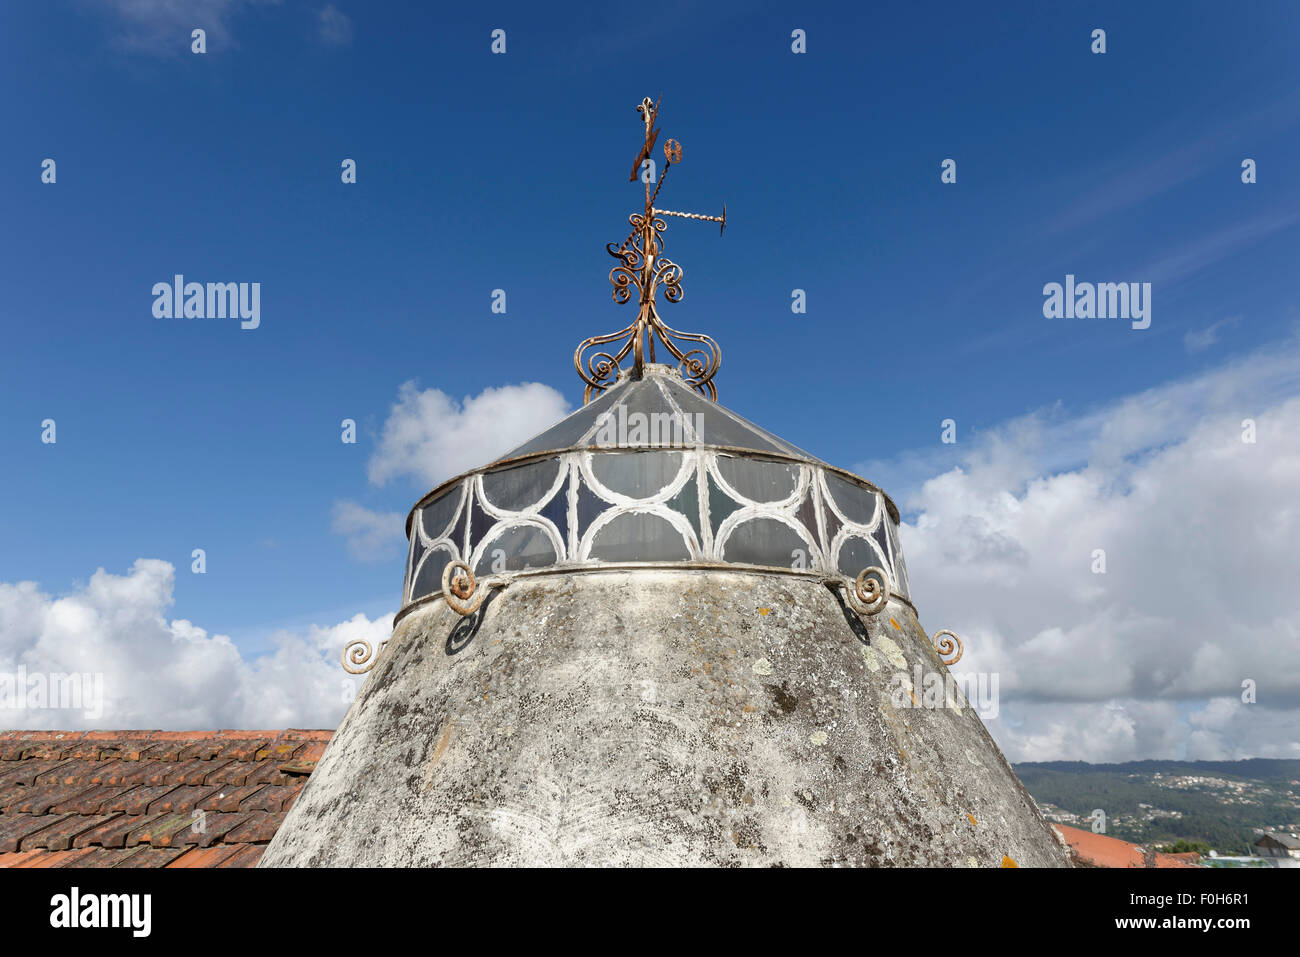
{"x": 869, "y": 595}
{"x": 359, "y": 656}
{"x": 460, "y": 590}
{"x": 945, "y": 642}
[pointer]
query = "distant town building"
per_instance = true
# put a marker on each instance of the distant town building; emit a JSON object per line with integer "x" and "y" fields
{"x": 1282, "y": 849}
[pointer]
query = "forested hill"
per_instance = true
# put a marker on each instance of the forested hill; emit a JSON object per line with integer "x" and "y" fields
{"x": 1221, "y": 804}
{"x": 1261, "y": 769}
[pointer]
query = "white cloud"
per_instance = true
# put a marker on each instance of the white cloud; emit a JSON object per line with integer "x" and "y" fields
{"x": 163, "y": 27}
{"x": 372, "y": 536}
{"x": 1201, "y": 533}
{"x": 167, "y": 674}
{"x": 1220, "y": 729}
{"x": 1050, "y": 441}
{"x": 430, "y": 437}
{"x": 1198, "y": 340}
{"x": 333, "y": 26}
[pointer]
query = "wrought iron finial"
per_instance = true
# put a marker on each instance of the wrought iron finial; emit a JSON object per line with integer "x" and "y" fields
{"x": 642, "y": 267}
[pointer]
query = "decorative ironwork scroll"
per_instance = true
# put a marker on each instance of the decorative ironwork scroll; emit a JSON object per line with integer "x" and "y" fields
{"x": 359, "y": 656}
{"x": 870, "y": 592}
{"x": 460, "y": 590}
{"x": 643, "y": 267}
{"x": 946, "y": 643}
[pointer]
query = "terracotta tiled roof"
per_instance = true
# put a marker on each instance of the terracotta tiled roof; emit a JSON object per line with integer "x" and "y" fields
{"x": 148, "y": 798}
{"x": 1098, "y": 850}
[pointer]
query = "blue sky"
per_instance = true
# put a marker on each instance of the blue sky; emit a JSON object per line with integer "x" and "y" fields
{"x": 480, "y": 171}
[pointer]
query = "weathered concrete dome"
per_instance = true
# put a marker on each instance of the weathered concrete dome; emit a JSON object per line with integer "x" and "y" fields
{"x": 663, "y": 660}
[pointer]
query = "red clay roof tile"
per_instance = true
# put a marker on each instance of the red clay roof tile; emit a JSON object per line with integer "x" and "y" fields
{"x": 183, "y": 798}
{"x": 148, "y": 798}
{"x": 258, "y": 829}
{"x": 13, "y": 748}
{"x": 98, "y": 857}
{"x": 92, "y": 801}
{"x": 267, "y": 772}
{"x": 15, "y": 828}
{"x": 36, "y": 800}
{"x": 168, "y": 751}
{"x": 247, "y": 856}
{"x": 244, "y": 749}
{"x": 195, "y": 771}
{"x": 229, "y": 797}
{"x": 136, "y": 799}
{"x": 43, "y": 858}
{"x": 18, "y": 858}
{"x": 206, "y": 856}
{"x": 212, "y": 828}
{"x": 60, "y": 836}
{"x": 1098, "y": 850}
{"x": 269, "y": 798}
{"x": 14, "y": 794}
{"x": 162, "y": 830}
{"x": 235, "y": 773}
{"x": 312, "y": 752}
{"x": 26, "y": 773}
{"x": 74, "y": 857}
{"x": 204, "y": 750}
{"x": 151, "y": 857}
{"x": 118, "y": 832}
{"x": 127, "y": 773}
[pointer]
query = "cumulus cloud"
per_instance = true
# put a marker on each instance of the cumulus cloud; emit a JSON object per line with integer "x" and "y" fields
{"x": 149, "y": 672}
{"x": 1199, "y": 532}
{"x": 430, "y": 437}
{"x": 372, "y": 536}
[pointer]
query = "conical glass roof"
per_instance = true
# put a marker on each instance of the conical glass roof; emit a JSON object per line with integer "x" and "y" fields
{"x": 658, "y": 411}
{"x": 651, "y": 473}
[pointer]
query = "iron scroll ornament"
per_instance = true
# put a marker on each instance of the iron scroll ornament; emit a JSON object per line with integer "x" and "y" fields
{"x": 359, "y": 656}
{"x": 946, "y": 643}
{"x": 870, "y": 592}
{"x": 641, "y": 266}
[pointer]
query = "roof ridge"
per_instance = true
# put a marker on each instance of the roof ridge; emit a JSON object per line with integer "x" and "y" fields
{"x": 156, "y": 734}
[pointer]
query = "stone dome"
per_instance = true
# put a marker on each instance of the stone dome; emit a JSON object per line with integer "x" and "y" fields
{"x": 663, "y": 659}
{"x": 657, "y": 634}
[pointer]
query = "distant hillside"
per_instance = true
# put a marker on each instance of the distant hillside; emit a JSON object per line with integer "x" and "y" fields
{"x": 1219, "y": 803}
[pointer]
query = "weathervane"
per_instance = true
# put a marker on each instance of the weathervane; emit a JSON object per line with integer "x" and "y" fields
{"x": 640, "y": 265}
